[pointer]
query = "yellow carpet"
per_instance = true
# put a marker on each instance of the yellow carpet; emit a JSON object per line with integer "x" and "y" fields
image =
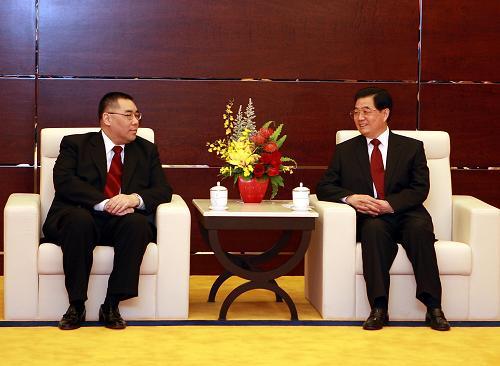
{"x": 248, "y": 345}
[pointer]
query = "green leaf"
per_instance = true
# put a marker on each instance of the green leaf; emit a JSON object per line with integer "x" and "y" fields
{"x": 276, "y": 182}
{"x": 281, "y": 141}
{"x": 274, "y": 191}
{"x": 267, "y": 124}
{"x": 276, "y": 133}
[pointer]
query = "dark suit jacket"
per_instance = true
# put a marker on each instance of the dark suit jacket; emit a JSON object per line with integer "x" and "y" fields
{"x": 80, "y": 175}
{"x": 406, "y": 180}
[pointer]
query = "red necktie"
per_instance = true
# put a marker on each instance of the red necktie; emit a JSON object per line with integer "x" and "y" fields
{"x": 114, "y": 177}
{"x": 377, "y": 169}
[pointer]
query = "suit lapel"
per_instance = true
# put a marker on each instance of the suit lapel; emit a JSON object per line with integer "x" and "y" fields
{"x": 364, "y": 162}
{"x": 393, "y": 154}
{"x": 129, "y": 165}
{"x": 98, "y": 153}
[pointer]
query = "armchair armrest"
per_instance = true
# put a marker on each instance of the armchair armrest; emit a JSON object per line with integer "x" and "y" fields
{"x": 21, "y": 240}
{"x": 478, "y": 224}
{"x": 173, "y": 222}
{"x": 330, "y": 281}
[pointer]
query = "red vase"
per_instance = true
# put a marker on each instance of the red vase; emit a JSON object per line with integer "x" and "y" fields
{"x": 252, "y": 190}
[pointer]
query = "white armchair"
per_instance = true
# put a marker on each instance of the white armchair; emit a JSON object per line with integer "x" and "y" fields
{"x": 33, "y": 274}
{"x": 468, "y": 252}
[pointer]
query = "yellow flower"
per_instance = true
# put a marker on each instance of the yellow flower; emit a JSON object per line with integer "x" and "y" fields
{"x": 240, "y": 153}
{"x": 225, "y": 170}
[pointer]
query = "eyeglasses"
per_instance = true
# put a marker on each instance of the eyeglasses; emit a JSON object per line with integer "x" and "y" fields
{"x": 130, "y": 116}
{"x": 355, "y": 113}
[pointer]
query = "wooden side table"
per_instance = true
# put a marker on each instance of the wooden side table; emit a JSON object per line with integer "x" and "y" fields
{"x": 267, "y": 215}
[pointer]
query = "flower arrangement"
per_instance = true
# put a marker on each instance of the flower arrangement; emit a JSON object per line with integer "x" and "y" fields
{"x": 250, "y": 153}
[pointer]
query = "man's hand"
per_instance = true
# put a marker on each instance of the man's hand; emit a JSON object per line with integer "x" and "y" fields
{"x": 121, "y": 204}
{"x": 368, "y": 205}
{"x": 384, "y": 207}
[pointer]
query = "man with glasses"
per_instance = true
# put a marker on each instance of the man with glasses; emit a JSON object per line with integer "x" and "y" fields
{"x": 108, "y": 185}
{"x": 385, "y": 178}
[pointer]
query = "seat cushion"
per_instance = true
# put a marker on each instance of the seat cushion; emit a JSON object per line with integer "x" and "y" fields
{"x": 454, "y": 258}
{"x": 50, "y": 260}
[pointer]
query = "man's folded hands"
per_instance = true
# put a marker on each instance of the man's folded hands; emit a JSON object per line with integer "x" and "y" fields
{"x": 368, "y": 205}
{"x": 121, "y": 204}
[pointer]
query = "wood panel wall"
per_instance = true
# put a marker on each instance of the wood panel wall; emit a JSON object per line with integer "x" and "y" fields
{"x": 299, "y": 61}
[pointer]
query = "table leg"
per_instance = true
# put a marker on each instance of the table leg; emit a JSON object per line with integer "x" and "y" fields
{"x": 258, "y": 279}
{"x": 226, "y": 275}
{"x": 217, "y": 284}
{"x": 227, "y": 261}
{"x": 252, "y": 285}
{"x": 274, "y": 250}
{"x": 242, "y": 262}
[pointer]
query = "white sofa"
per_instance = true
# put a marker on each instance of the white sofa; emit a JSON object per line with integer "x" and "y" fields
{"x": 33, "y": 274}
{"x": 468, "y": 233}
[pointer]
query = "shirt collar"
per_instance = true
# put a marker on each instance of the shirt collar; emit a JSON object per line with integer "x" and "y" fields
{"x": 108, "y": 144}
{"x": 383, "y": 138}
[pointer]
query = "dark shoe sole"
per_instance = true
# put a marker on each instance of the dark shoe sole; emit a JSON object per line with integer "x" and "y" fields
{"x": 115, "y": 327}
{"x": 69, "y": 328}
{"x": 374, "y": 328}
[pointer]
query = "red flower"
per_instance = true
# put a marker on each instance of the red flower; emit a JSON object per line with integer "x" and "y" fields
{"x": 258, "y": 139}
{"x": 265, "y": 158}
{"x": 272, "y": 171}
{"x": 266, "y": 132}
{"x": 258, "y": 170}
{"x": 276, "y": 158}
{"x": 270, "y": 147}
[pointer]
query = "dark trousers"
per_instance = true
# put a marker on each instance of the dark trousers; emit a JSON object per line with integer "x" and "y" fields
{"x": 80, "y": 230}
{"x": 379, "y": 237}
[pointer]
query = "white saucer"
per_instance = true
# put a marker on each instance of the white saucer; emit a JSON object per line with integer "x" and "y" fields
{"x": 218, "y": 208}
{"x": 301, "y": 208}
{"x": 292, "y": 207}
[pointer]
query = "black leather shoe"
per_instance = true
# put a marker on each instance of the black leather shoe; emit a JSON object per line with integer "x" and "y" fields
{"x": 436, "y": 319}
{"x": 111, "y": 317}
{"x": 72, "y": 319}
{"x": 377, "y": 319}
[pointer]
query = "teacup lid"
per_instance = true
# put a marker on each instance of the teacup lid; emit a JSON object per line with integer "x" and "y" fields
{"x": 301, "y": 188}
{"x": 218, "y": 187}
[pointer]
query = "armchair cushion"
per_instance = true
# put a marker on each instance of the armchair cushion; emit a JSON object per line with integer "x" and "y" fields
{"x": 50, "y": 260}
{"x": 453, "y": 258}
